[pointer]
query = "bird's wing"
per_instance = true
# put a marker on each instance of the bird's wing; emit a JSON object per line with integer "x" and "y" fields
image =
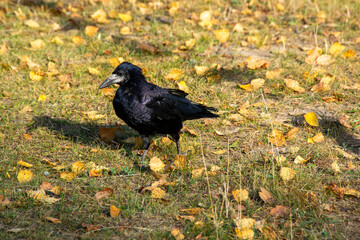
{"x": 177, "y": 92}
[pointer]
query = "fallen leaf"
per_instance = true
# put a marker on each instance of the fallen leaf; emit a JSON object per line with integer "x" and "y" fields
{"x": 100, "y": 16}
{"x": 36, "y": 76}
{"x": 158, "y": 193}
{"x": 277, "y": 138}
{"x": 254, "y": 85}
{"x": 103, "y": 193}
{"x": 53, "y": 220}
{"x": 274, "y": 74}
{"x": 107, "y": 134}
{"x": 349, "y": 54}
{"x": 42, "y": 98}
{"x": 156, "y": 164}
{"x": 116, "y": 61}
{"x": 240, "y": 195}
{"x": 222, "y": 35}
{"x": 77, "y": 40}
{"x": 46, "y": 186}
{"x": 323, "y": 85}
{"x": 256, "y": 63}
{"x": 280, "y": 159}
{"x": 314, "y": 54}
{"x": 201, "y": 70}
{"x": 24, "y": 164}
{"x": 336, "y": 48}
{"x": 196, "y": 173}
{"x": 91, "y": 30}
{"x": 68, "y": 176}
{"x": 191, "y": 211}
{"x": 345, "y": 154}
{"x": 190, "y": 218}
{"x": 335, "y": 167}
{"x": 238, "y": 28}
{"x": 294, "y": 85}
{"x": 93, "y": 71}
{"x": 180, "y": 161}
{"x": 220, "y": 151}
{"x": 108, "y": 92}
{"x": 78, "y": 167}
{"x": 190, "y": 43}
{"x": 57, "y": 40}
{"x": 183, "y": 87}
{"x": 93, "y": 115}
{"x": 90, "y": 227}
{"x": 244, "y": 233}
{"x": 26, "y": 61}
{"x": 27, "y": 136}
{"x": 287, "y": 173}
{"x": 311, "y": 119}
{"x": 124, "y": 17}
{"x": 175, "y": 232}
{"x": 320, "y": 17}
{"x": 292, "y": 133}
{"x": 114, "y": 211}
{"x": 32, "y": 23}
{"x": 279, "y": 211}
{"x": 125, "y": 31}
{"x": 300, "y": 160}
{"x": 37, "y": 44}
{"x": 95, "y": 173}
{"x": 266, "y": 196}
{"x": 24, "y": 176}
{"x": 174, "y": 74}
{"x": 324, "y": 60}
{"x": 245, "y": 223}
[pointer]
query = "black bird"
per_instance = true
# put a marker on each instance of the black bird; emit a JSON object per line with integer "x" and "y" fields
{"x": 150, "y": 109}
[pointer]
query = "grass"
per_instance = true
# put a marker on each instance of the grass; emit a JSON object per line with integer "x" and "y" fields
{"x": 62, "y": 133}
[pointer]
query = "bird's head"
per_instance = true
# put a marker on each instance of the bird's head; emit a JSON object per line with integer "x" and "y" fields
{"x": 121, "y": 74}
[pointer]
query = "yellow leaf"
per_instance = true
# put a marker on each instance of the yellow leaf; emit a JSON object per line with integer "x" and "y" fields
{"x": 300, "y": 160}
{"x": 280, "y": 7}
{"x": 125, "y": 31}
{"x": 24, "y": 164}
{"x": 220, "y": 151}
{"x": 175, "y": 232}
{"x": 112, "y": 14}
{"x": 108, "y": 92}
{"x": 53, "y": 220}
{"x": 336, "y": 49}
{"x": 274, "y": 74}
{"x": 166, "y": 141}
{"x": 116, "y": 61}
{"x": 36, "y": 76}
{"x": 294, "y": 85}
{"x": 277, "y": 138}
{"x": 124, "y": 17}
{"x": 37, "y": 195}
{"x": 311, "y": 119}
{"x": 52, "y": 69}
{"x": 95, "y": 173}
{"x": 335, "y": 167}
{"x": 174, "y": 74}
{"x": 196, "y": 173}
{"x": 238, "y": 28}
{"x": 27, "y": 136}
{"x": 292, "y": 133}
{"x": 245, "y": 223}
{"x": 324, "y": 84}
{"x": 77, "y": 40}
{"x": 78, "y": 167}
{"x": 240, "y": 195}
{"x": 180, "y": 161}
{"x": 55, "y": 26}
{"x": 201, "y": 70}
{"x": 183, "y": 87}
{"x": 206, "y": 20}
{"x": 91, "y": 30}
{"x": 93, "y": 71}
{"x": 158, "y": 193}
{"x": 4, "y": 48}
{"x": 114, "y": 211}
{"x": 222, "y": 35}
{"x": 100, "y": 16}
{"x": 314, "y": 54}
{"x": 320, "y": 17}
{"x": 68, "y": 176}
{"x": 244, "y": 233}
{"x": 24, "y": 176}
{"x": 256, "y": 63}
{"x": 318, "y": 138}
{"x": 32, "y": 23}
{"x": 324, "y": 60}
{"x": 349, "y": 54}
{"x": 287, "y": 173}
{"x": 310, "y": 141}
{"x": 156, "y": 164}
{"x": 257, "y": 83}
{"x": 57, "y": 40}
{"x": 280, "y": 159}
{"x": 37, "y": 44}
{"x": 190, "y": 43}
{"x": 42, "y": 98}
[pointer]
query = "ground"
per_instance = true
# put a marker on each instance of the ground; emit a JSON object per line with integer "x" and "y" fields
{"x": 84, "y": 179}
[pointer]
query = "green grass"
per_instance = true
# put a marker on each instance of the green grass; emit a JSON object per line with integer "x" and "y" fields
{"x": 61, "y": 133}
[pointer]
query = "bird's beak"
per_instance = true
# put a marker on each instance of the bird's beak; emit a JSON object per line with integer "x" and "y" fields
{"x": 113, "y": 79}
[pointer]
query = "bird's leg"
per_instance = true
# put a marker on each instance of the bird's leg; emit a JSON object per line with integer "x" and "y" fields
{"x": 178, "y": 147}
{"x": 176, "y": 138}
{"x": 146, "y": 145}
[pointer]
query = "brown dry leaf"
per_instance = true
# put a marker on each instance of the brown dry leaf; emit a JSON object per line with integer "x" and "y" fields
{"x": 294, "y": 85}
{"x": 314, "y": 54}
{"x": 336, "y": 48}
{"x": 350, "y": 192}
{"x": 114, "y": 211}
{"x": 92, "y": 115}
{"x": 266, "y": 196}
{"x": 52, "y": 71}
{"x": 100, "y": 16}
{"x": 292, "y": 133}
{"x": 103, "y": 193}
{"x": 125, "y": 31}
{"x": 90, "y": 227}
{"x": 37, "y": 44}
{"x": 196, "y": 173}
{"x": 201, "y": 70}
{"x": 287, "y": 174}
{"x": 107, "y": 134}
{"x": 256, "y": 63}
{"x": 156, "y": 164}
{"x": 56, "y": 190}
{"x": 95, "y": 173}
{"x": 174, "y": 74}
{"x": 244, "y": 233}
{"x": 349, "y": 54}
{"x": 158, "y": 193}
{"x": 77, "y": 40}
{"x": 166, "y": 141}
{"x": 324, "y": 60}
{"x": 335, "y": 167}
{"x": 254, "y": 85}
{"x": 183, "y": 87}
{"x": 24, "y": 164}
{"x": 91, "y": 30}
{"x": 345, "y": 154}
{"x": 32, "y": 23}
{"x": 175, "y": 232}
{"x": 222, "y": 35}
{"x": 108, "y": 92}
{"x": 124, "y": 17}
{"x": 300, "y": 160}
{"x": 38, "y": 195}
{"x": 26, "y": 61}
{"x": 68, "y": 176}
{"x": 78, "y": 167}
{"x": 53, "y": 220}
{"x": 27, "y": 136}
{"x": 180, "y": 161}
{"x": 46, "y": 186}
{"x": 191, "y": 211}
{"x": 36, "y": 76}
{"x": 274, "y": 74}
{"x": 240, "y": 195}
{"x": 279, "y": 211}
{"x": 311, "y": 119}
{"x": 3, "y": 48}
{"x": 192, "y": 132}
{"x": 190, "y": 218}
{"x": 24, "y": 176}
{"x": 318, "y": 138}
{"x": 277, "y": 138}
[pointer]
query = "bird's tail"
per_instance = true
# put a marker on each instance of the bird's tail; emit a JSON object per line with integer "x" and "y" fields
{"x": 200, "y": 111}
